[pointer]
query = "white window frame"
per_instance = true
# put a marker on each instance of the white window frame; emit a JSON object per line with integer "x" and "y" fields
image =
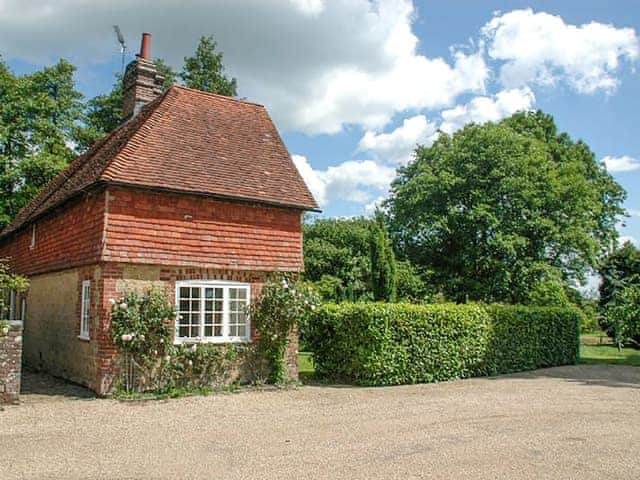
{"x": 85, "y": 309}
{"x": 225, "y": 285}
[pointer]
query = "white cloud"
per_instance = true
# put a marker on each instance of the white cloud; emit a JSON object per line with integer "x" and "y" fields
{"x": 621, "y": 164}
{"x": 487, "y": 109}
{"x": 371, "y": 207}
{"x": 633, "y": 213}
{"x": 317, "y": 65}
{"x": 356, "y": 181}
{"x": 397, "y": 146}
{"x": 542, "y": 48}
{"x": 309, "y": 7}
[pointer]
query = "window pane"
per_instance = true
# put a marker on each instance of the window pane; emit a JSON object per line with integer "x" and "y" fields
{"x": 184, "y": 292}
{"x": 242, "y": 330}
{"x": 195, "y": 292}
{"x": 208, "y": 331}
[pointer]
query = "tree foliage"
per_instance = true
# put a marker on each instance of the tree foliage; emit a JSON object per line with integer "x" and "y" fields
{"x": 620, "y": 271}
{"x": 205, "y": 70}
{"x": 383, "y": 263}
{"x": 487, "y": 209}
{"x": 337, "y": 255}
{"x": 39, "y": 115}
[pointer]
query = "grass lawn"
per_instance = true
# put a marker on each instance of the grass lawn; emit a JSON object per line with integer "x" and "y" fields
{"x": 305, "y": 363}
{"x": 608, "y": 354}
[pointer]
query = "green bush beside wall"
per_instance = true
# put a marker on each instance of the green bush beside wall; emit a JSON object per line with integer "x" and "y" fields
{"x": 391, "y": 344}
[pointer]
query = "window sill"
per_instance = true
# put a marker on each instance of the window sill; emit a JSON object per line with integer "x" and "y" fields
{"x": 83, "y": 338}
{"x": 205, "y": 341}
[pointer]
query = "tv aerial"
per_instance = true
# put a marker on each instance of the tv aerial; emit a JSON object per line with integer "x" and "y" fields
{"x": 123, "y": 44}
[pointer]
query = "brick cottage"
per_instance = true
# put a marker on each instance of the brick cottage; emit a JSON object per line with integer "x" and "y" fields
{"x": 194, "y": 191}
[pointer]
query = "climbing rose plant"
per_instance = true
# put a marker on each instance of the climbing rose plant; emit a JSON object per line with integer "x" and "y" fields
{"x": 142, "y": 327}
{"x": 283, "y": 308}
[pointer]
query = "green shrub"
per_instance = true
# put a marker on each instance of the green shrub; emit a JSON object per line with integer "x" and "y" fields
{"x": 526, "y": 338}
{"x": 623, "y": 314}
{"x": 391, "y": 344}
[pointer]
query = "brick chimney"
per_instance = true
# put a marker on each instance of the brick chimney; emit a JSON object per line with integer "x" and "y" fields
{"x": 141, "y": 82}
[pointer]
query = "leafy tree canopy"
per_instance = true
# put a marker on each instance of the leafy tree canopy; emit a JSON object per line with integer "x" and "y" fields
{"x": 337, "y": 254}
{"x": 205, "y": 71}
{"x": 487, "y": 208}
{"x": 39, "y": 115}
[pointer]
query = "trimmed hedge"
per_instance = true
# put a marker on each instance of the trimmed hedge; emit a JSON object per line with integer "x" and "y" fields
{"x": 392, "y": 344}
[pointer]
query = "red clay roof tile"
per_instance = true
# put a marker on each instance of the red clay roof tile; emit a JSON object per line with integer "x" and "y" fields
{"x": 191, "y": 141}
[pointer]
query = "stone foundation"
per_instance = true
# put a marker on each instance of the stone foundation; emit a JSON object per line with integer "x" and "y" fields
{"x": 10, "y": 361}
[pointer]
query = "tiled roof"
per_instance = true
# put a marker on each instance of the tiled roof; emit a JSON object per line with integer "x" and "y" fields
{"x": 191, "y": 141}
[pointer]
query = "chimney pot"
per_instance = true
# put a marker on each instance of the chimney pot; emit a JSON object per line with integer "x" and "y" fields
{"x": 145, "y": 46}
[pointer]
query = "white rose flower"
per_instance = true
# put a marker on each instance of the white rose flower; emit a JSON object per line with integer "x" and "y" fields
{"x": 123, "y": 306}
{"x": 126, "y": 337}
{"x": 112, "y": 301}
{"x": 190, "y": 363}
{"x": 194, "y": 348}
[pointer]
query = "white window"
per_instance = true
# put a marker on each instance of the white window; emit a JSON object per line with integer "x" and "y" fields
{"x": 213, "y": 311}
{"x": 84, "y": 309}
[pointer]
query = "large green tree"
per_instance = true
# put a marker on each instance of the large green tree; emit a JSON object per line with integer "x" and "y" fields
{"x": 39, "y": 115}
{"x": 619, "y": 271}
{"x": 205, "y": 70}
{"x": 337, "y": 257}
{"x": 493, "y": 207}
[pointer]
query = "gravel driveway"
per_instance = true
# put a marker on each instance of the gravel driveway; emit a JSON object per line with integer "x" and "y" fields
{"x": 571, "y": 422}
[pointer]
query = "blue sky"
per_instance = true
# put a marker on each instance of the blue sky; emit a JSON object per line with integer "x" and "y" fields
{"x": 353, "y": 85}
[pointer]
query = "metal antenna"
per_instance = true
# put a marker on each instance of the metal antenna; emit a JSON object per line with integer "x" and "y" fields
{"x": 123, "y": 44}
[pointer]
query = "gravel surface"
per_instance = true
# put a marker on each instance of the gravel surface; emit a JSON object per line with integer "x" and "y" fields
{"x": 571, "y": 422}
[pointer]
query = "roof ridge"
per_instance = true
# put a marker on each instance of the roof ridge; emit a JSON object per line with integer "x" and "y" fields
{"x": 211, "y": 94}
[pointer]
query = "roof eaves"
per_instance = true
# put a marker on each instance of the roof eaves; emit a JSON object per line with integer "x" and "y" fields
{"x": 218, "y": 196}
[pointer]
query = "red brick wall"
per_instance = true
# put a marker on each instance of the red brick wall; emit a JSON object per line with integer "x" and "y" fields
{"x": 119, "y": 277}
{"x": 68, "y": 237}
{"x": 161, "y": 228}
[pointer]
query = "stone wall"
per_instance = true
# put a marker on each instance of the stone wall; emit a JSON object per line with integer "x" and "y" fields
{"x": 10, "y": 361}
{"x": 52, "y": 326}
